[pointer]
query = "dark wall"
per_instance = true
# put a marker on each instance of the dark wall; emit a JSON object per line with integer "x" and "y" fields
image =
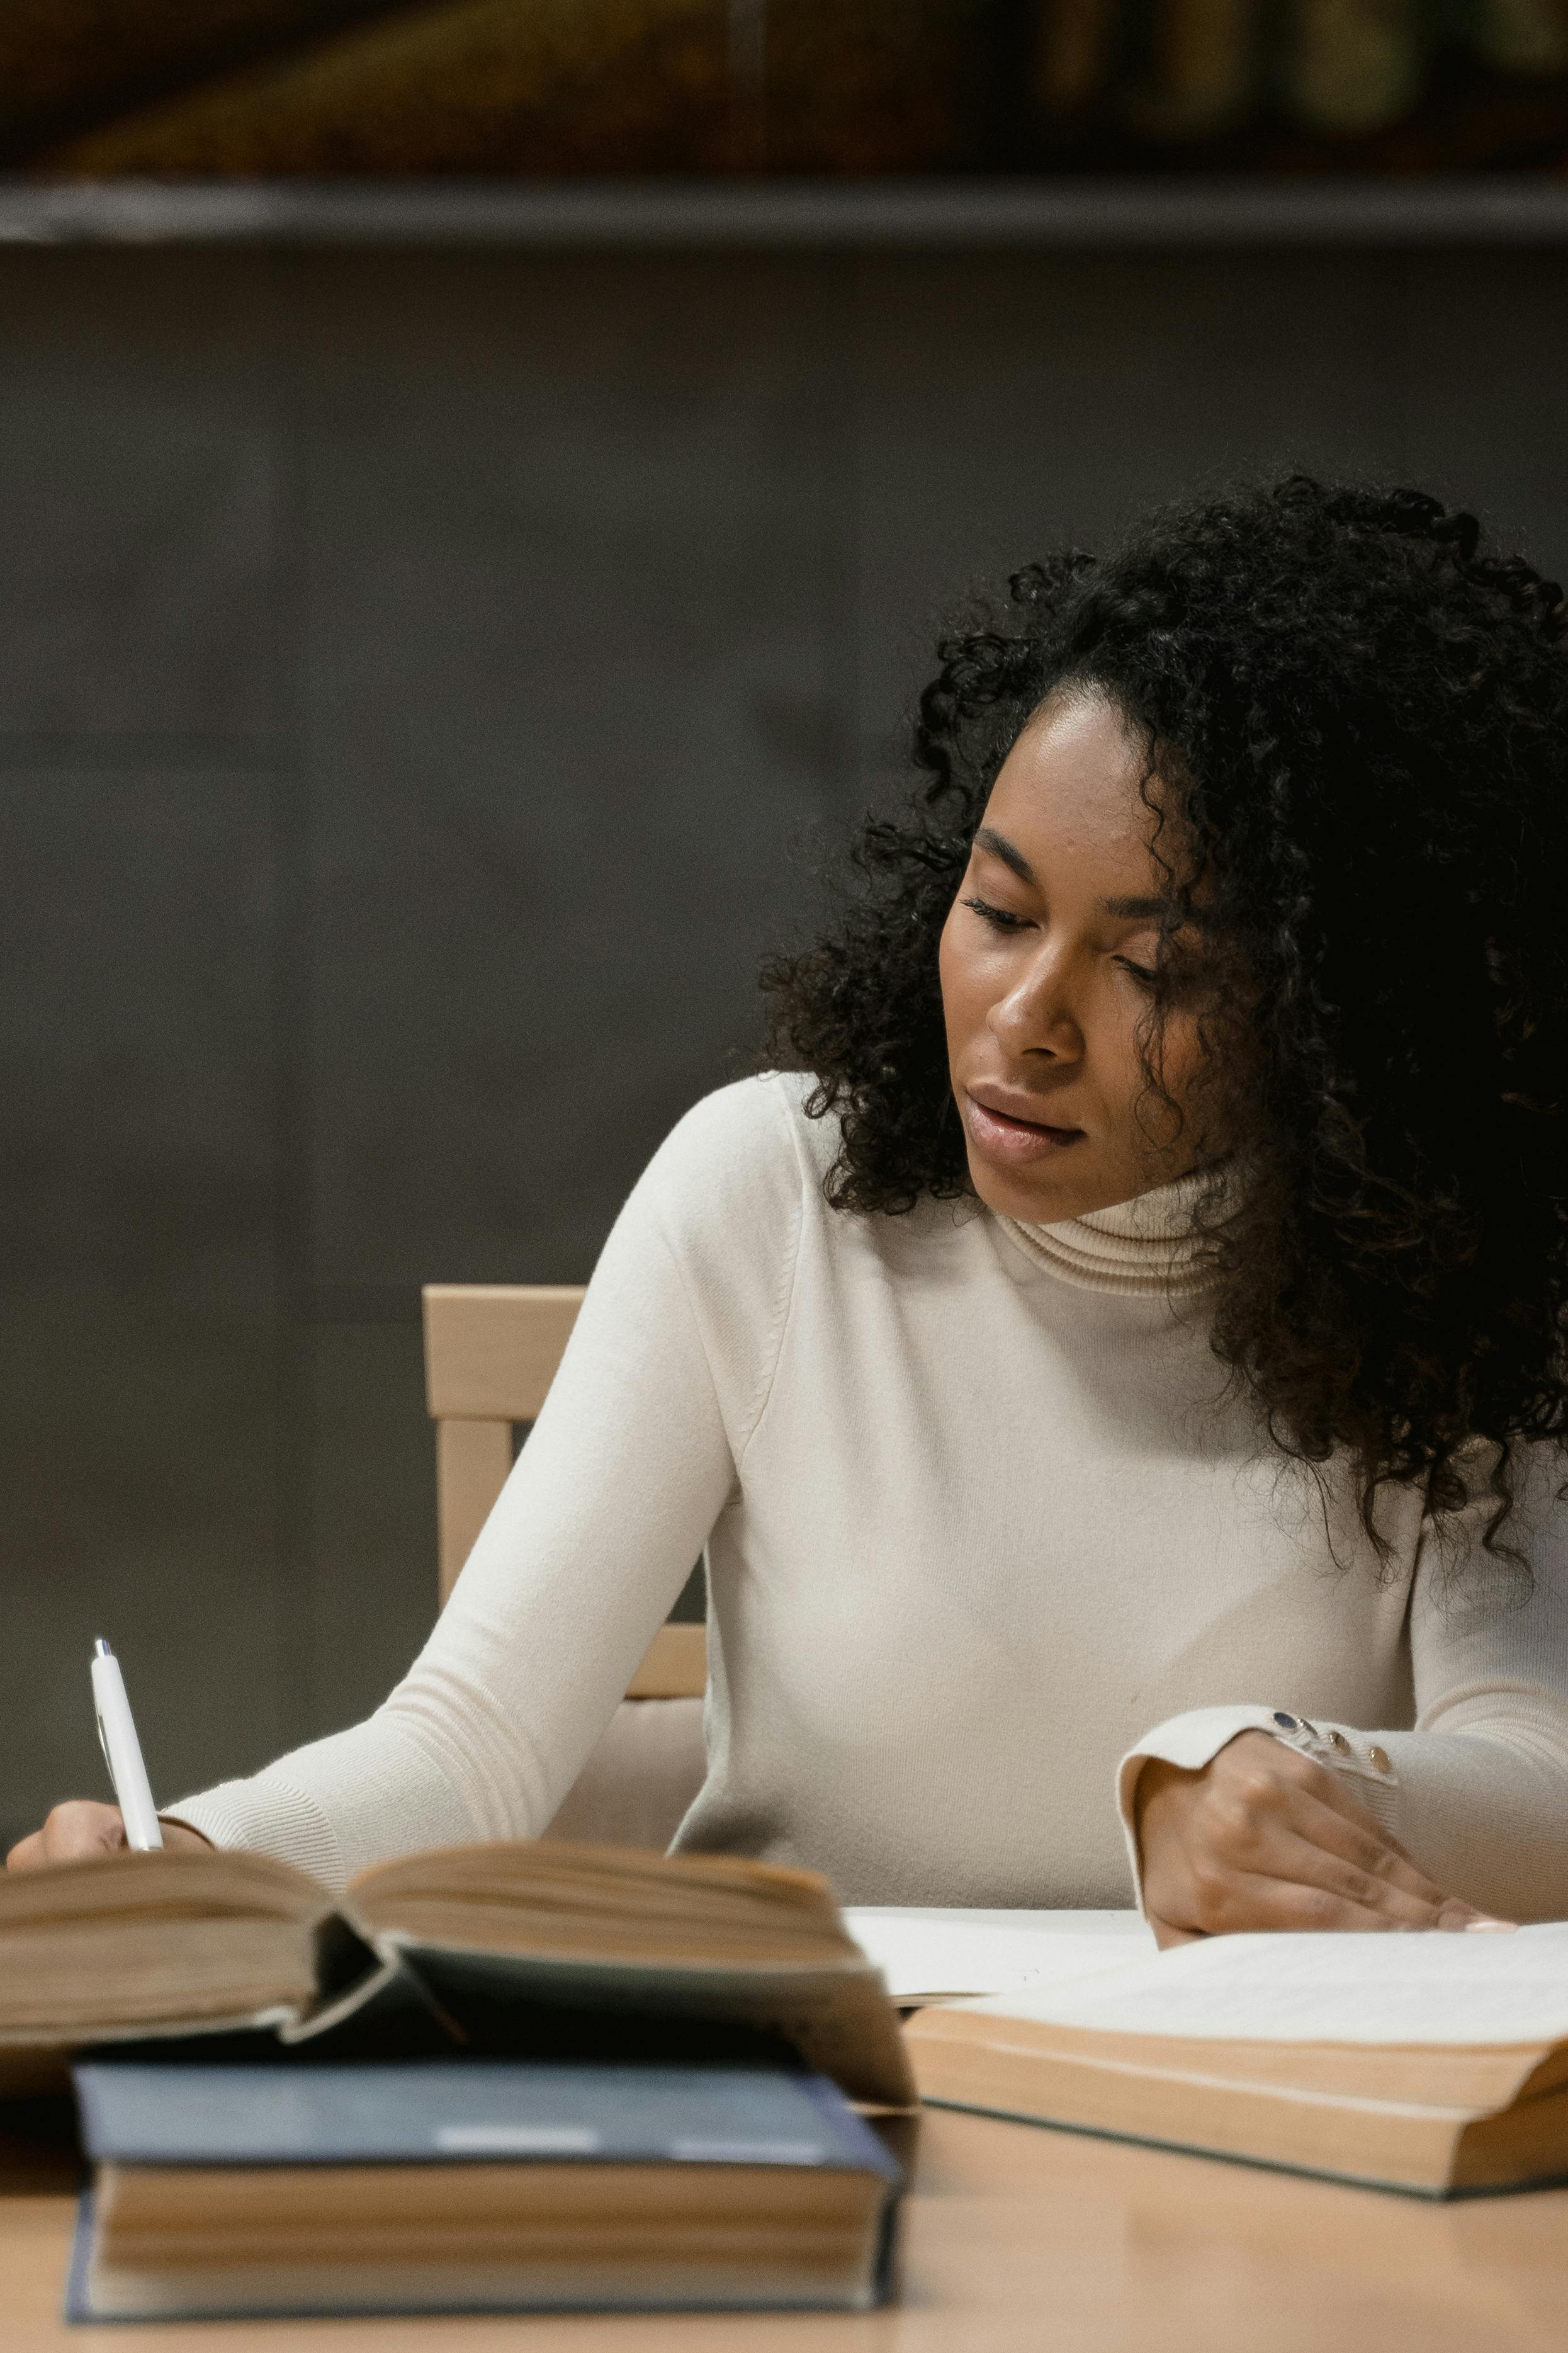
{"x": 422, "y": 682}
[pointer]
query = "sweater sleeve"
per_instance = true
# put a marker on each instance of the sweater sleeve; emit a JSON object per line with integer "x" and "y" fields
{"x": 612, "y": 1499}
{"x": 1477, "y": 1790}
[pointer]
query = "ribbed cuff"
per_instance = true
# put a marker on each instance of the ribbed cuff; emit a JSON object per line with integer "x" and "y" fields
{"x": 266, "y": 1817}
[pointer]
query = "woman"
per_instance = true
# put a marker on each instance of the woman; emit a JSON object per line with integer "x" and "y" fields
{"x": 1114, "y": 1362}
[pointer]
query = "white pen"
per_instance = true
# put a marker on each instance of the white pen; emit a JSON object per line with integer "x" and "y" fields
{"x": 122, "y": 1752}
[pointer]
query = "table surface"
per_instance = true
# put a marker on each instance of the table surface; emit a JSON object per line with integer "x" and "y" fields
{"x": 1014, "y": 2237}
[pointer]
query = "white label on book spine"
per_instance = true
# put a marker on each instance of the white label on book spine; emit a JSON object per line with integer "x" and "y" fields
{"x": 518, "y": 2140}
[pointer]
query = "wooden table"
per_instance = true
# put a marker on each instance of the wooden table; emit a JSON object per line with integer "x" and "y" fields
{"x": 1017, "y": 2238}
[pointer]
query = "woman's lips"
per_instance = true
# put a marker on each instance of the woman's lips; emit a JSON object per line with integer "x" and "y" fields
{"x": 997, "y": 1135}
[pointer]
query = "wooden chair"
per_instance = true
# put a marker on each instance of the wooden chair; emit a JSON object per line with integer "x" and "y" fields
{"x": 490, "y": 1353}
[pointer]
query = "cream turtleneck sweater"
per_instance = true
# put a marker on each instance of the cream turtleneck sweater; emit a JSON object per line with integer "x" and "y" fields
{"x": 1144, "y": 1249}
{"x": 976, "y": 1516}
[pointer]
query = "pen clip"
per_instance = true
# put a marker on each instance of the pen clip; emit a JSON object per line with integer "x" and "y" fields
{"x": 100, "y": 1649}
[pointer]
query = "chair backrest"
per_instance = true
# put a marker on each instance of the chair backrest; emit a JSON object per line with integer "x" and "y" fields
{"x": 490, "y": 1353}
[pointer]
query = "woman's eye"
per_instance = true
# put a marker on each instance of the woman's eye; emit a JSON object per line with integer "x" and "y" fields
{"x": 1139, "y": 972}
{"x": 997, "y": 917}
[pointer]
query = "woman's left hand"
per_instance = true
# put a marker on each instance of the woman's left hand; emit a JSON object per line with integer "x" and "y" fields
{"x": 1263, "y": 1838}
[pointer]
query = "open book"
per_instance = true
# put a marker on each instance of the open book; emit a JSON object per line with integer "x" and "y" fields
{"x": 509, "y": 1949}
{"x": 1436, "y": 2064}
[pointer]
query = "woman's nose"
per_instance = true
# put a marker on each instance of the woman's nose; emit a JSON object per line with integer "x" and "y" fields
{"x": 1036, "y": 1014}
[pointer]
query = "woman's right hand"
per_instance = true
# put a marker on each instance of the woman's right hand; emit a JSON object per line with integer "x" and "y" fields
{"x": 79, "y": 1829}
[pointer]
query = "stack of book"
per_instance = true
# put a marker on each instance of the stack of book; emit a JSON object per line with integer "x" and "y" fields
{"x": 494, "y": 2078}
{"x": 466, "y": 2185}
{"x": 548, "y": 2077}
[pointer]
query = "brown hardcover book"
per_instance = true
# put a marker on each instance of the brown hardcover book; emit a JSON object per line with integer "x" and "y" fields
{"x": 1434, "y": 2063}
{"x": 464, "y": 1947}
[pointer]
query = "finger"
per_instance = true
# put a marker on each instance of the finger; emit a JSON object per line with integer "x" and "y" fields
{"x": 1259, "y": 1762}
{"x": 1336, "y": 1791}
{"x": 81, "y": 1827}
{"x": 1299, "y": 1862}
{"x": 1291, "y": 1791}
{"x": 1289, "y": 1770}
{"x": 1346, "y": 1830}
{"x": 1358, "y": 1840}
{"x": 1284, "y": 1883}
{"x": 1167, "y": 1934}
{"x": 1287, "y": 1882}
{"x": 1301, "y": 1840}
{"x": 1458, "y": 1913}
{"x": 1239, "y": 1902}
{"x": 178, "y": 1834}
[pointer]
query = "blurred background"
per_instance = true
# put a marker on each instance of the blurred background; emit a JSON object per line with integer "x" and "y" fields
{"x": 479, "y": 484}
{"x": 852, "y": 87}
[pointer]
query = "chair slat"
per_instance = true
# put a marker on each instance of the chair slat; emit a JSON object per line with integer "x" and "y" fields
{"x": 675, "y": 1666}
{"x": 491, "y": 1350}
{"x": 490, "y": 1353}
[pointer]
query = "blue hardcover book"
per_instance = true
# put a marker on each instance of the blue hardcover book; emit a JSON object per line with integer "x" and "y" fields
{"x": 474, "y": 2186}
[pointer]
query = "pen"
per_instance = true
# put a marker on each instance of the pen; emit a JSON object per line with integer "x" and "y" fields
{"x": 122, "y": 1752}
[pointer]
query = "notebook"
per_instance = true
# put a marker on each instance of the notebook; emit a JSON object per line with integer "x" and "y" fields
{"x": 304, "y": 2190}
{"x": 1436, "y": 2064}
{"x": 516, "y": 1949}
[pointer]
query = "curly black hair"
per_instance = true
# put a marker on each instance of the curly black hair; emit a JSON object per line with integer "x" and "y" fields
{"x": 1356, "y": 719}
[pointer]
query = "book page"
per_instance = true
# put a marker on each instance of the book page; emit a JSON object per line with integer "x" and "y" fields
{"x": 929, "y": 1955}
{"x": 1436, "y": 1986}
{"x": 172, "y": 1883}
{"x": 602, "y": 1902}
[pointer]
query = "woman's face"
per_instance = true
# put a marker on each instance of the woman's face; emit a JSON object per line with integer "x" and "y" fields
{"x": 1041, "y": 956}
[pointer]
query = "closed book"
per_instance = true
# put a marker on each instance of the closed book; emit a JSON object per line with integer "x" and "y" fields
{"x": 522, "y": 1950}
{"x": 1436, "y": 2064}
{"x": 473, "y": 2186}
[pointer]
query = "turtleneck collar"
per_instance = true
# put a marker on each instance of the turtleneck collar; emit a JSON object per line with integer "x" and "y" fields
{"x": 1143, "y": 1247}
